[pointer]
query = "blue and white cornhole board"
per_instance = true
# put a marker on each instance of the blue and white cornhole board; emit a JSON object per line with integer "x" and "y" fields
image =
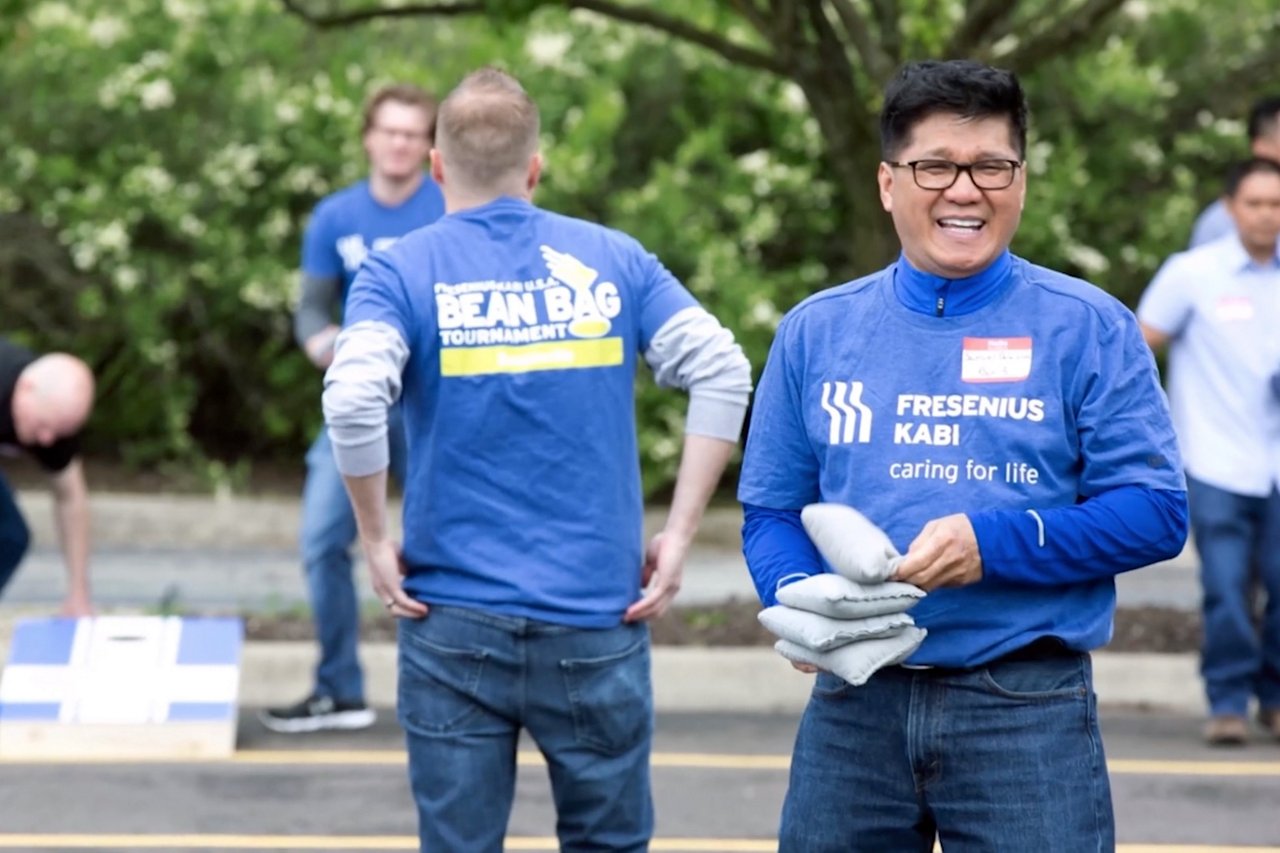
{"x": 121, "y": 687}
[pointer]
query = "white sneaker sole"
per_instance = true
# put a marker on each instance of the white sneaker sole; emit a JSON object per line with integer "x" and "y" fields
{"x": 341, "y": 720}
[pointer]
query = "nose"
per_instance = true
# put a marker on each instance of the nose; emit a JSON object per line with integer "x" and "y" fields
{"x": 964, "y": 189}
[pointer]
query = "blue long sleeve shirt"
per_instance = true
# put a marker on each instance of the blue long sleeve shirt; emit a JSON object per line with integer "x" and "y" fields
{"x": 1021, "y": 397}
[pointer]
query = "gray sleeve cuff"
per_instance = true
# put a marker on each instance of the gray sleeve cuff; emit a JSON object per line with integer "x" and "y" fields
{"x": 713, "y": 417}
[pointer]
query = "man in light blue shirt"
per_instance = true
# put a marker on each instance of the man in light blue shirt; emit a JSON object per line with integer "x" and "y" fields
{"x": 1218, "y": 308}
{"x": 1264, "y": 141}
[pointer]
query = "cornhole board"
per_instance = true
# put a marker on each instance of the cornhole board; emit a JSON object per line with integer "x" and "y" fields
{"x": 121, "y": 687}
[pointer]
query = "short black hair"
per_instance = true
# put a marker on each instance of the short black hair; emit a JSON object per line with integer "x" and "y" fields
{"x": 1264, "y": 117}
{"x": 1253, "y": 166}
{"x": 959, "y": 86}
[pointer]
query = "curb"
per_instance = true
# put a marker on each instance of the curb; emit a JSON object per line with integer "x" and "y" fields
{"x": 729, "y": 679}
{"x": 228, "y": 522}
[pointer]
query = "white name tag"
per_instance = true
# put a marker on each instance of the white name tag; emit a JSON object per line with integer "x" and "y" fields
{"x": 995, "y": 360}
{"x": 1233, "y": 309}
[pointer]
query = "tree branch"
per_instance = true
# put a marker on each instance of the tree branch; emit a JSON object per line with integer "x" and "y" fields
{"x": 732, "y": 51}
{"x": 982, "y": 20}
{"x": 360, "y": 16}
{"x": 888, "y": 19}
{"x": 671, "y": 25}
{"x": 1071, "y": 29}
{"x": 855, "y": 26}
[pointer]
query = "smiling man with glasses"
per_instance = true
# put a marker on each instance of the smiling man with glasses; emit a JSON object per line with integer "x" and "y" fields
{"x": 1004, "y": 425}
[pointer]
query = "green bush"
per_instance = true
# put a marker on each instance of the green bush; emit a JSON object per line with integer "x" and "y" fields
{"x": 158, "y": 159}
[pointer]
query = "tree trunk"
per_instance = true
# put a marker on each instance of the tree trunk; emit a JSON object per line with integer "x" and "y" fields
{"x": 853, "y": 154}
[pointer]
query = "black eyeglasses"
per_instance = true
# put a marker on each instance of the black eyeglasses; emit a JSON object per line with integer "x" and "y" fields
{"x": 942, "y": 174}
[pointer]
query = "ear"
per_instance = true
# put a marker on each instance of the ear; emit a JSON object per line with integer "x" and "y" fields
{"x": 535, "y": 171}
{"x": 884, "y": 177}
{"x": 437, "y": 166}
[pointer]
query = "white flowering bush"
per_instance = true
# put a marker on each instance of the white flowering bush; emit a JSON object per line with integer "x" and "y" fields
{"x": 170, "y": 152}
{"x": 158, "y": 160}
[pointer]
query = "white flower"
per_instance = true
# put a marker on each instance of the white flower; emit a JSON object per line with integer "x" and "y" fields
{"x": 153, "y": 179}
{"x": 548, "y": 49}
{"x": 52, "y": 15}
{"x": 794, "y": 99}
{"x": 1147, "y": 153}
{"x": 764, "y": 313}
{"x": 106, "y": 31}
{"x": 1138, "y": 10}
{"x": 24, "y": 164}
{"x": 754, "y": 163}
{"x": 126, "y": 278}
{"x": 1005, "y": 46}
{"x": 1088, "y": 259}
{"x": 113, "y": 237}
{"x": 190, "y": 225}
{"x": 288, "y": 113}
{"x": 156, "y": 95}
{"x": 83, "y": 255}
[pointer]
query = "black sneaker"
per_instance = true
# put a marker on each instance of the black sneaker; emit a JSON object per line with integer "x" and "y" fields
{"x": 316, "y": 713}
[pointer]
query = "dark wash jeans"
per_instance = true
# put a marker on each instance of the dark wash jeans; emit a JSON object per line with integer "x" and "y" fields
{"x": 1233, "y": 534}
{"x": 1006, "y": 757}
{"x": 469, "y": 681}
{"x": 14, "y": 535}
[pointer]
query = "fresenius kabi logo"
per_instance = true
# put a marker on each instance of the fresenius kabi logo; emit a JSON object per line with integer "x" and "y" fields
{"x": 850, "y": 417}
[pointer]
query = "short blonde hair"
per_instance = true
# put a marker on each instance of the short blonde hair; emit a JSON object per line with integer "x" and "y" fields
{"x": 487, "y": 128}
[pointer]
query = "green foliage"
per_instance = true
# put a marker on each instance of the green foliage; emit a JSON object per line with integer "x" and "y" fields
{"x": 174, "y": 149}
{"x": 158, "y": 159}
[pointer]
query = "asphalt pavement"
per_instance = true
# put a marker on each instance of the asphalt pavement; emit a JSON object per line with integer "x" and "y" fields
{"x": 719, "y": 781}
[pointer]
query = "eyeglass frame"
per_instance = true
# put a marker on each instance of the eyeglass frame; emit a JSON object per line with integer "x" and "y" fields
{"x": 397, "y": 133}
{"x": 960, "y": 168}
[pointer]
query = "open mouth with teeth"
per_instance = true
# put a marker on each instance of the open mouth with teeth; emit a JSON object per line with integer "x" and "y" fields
{"x": 961, "y": 224}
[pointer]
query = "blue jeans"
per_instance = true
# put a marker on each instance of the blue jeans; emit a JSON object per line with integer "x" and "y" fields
{"x": 1233, "y": 533}
{"x": 14, "y": 536}
{"x": 469, "y": 681}
{"x": 328, "y": 532}
{"x": 1002, "y": 757}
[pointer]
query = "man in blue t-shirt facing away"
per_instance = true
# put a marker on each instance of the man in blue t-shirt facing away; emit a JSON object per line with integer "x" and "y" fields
{"x": 512, "y": 336}
{"x": 397, "y": 197}
{"x": 1215, "y": 221}
{"x": 1218, "y": 308}
{"x": 1004, "y": 425}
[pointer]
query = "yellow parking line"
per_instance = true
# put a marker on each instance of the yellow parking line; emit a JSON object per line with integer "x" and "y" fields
{"x": 405, "y": 842}
{"x": 687, "y": 760}
{"x": 1152, "y": 767}
{"x": 328, "y": 842}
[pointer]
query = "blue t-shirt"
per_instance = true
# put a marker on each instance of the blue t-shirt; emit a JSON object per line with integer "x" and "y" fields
{"x": 1037, "y": 393}
{"x": 349, "y": 224}
{"x": 523, "y": 490}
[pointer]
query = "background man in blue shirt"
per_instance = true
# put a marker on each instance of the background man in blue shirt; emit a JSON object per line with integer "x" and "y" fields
{"x": 1264, "y": 141}
{"x": 1218, "y": 308}
{"x": 397, "y": 197}
{"x": 1004, "y": 425}
{"x": 512, "y": 335}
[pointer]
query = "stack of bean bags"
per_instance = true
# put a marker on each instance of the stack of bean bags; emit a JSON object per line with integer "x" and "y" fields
{"x": 853, "y": 622}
